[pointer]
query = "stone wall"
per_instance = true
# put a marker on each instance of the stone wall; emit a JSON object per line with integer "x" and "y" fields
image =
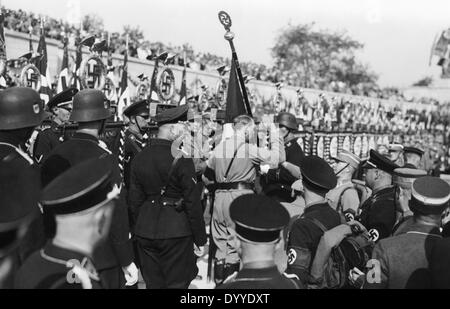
{"x": 17, "y": 44}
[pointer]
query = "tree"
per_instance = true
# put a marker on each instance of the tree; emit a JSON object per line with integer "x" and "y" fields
{"x": 136, "y": 39}
{"x": 424, "y": 82}
{"x": 93, "y": 25}
{"x": 319, "y": 57}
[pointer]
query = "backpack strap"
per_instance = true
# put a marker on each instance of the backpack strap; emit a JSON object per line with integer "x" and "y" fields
{"x": 287, "y": 231}
{"x": 317, "y": 223}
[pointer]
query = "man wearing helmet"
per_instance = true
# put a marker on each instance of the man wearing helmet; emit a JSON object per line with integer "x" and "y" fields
{"x": 90, "y": 111}
{"x": 277, "y": 182}
{"x": 21, "y": 110}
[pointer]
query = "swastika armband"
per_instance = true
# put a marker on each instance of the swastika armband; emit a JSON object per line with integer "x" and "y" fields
{"x": 299, "y": 257}
{"x": 374, "y": 235}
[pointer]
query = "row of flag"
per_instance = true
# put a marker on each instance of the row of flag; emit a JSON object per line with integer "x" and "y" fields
{"x": 237, "y": 103}
{"x": 40, "y": 61}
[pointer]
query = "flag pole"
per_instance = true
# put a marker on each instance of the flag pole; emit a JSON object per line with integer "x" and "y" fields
{"x": 42, "y": 24}
{"x": 226, "y": 22}
{"x": 183, "y": 81}
{"x": 3, "y": 56}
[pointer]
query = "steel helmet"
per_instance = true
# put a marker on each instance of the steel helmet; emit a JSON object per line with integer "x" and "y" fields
{"x": 288, "y": 120}
{"x": 90, "y": 105}
{"x": 20, "y": 108}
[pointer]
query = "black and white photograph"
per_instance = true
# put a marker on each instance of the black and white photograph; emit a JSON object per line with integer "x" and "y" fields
{"x": 214, "y": 146}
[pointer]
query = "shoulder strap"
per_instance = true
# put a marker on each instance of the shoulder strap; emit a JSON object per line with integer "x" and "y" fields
{"x": 232, "y": 160}
{"x": 312, "y": 220}
{"x": 317, "y": 223}
{"x": 340, "y": 207}
{"x": 289, "y": 228}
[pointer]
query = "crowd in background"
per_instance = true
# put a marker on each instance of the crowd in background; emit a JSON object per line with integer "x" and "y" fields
{"x": 322, "y": 114}
{"x": 26, "y": 22}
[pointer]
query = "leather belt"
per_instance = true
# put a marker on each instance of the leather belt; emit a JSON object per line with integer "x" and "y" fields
{"x": 235, "y": 186}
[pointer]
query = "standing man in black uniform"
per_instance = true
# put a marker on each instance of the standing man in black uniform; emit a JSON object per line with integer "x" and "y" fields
{"x": 82, "y": 201}
{"x": 17, "y": 210}
{"x": 305, "y": 232}
{"x": 21, "y": 110}
{"x": 114, "y": 258}
{"x": 49, "y": 136}
{"x": 258, "y": 239}
{"x": 277, "y": 182}
{"x": 165, "y": 202}
{"x": 378, "y": 212}
{"x": 135, "y": 140}
{"x": 135, "y": 136}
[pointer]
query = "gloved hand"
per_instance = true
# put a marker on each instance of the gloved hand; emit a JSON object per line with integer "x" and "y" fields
{"x": 131, "y": 274}
{"x": 199, "y": 251}
{"x": 264, "y": 169}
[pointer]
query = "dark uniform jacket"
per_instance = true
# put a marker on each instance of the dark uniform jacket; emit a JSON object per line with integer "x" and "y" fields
{"x": 149, "y": 174}
{"x": 440, "y": 265}
{"x": 378, "y": 213}
{"x": 133, "y": 145}
{"x": 10, "y": 151}
{"x": 262, "y": 278}
{"x": 277, "y": 182}
{"x": 52, "y": 268}
{"x": 304, "y": 237}
{"x": 118, "y": 250}
{"x": 48, "y": 138}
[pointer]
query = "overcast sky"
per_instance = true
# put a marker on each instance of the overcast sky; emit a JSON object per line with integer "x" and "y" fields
{"x": 397, "y": 34}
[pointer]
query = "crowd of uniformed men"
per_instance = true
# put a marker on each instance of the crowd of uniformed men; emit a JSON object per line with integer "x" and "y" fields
{"x": 75, "y": 215}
